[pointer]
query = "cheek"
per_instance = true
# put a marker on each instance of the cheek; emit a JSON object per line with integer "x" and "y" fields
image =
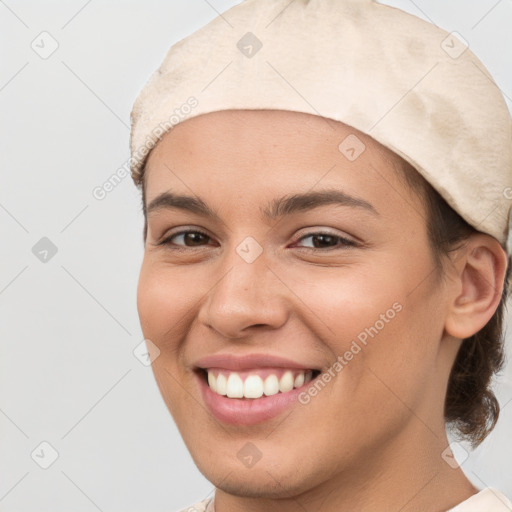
{"x": 164, "y": 300}
{"x": 379, "y": 322}
{"x": 164, "y": 303}
{"x": 346, "y": 301}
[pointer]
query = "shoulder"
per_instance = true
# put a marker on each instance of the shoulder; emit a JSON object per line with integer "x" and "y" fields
{"x": 200, "y": 506}
{"x": 487, "y": 500}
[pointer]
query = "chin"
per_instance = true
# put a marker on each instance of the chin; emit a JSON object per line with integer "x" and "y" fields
{"x": 274, "y": 478}
{"x": 263, "y": 484}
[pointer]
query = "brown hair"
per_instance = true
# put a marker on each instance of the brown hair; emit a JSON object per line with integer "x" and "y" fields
{"x": 471, "y": 408}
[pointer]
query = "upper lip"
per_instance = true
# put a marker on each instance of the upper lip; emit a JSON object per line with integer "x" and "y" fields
{"x": 248, "y": 361}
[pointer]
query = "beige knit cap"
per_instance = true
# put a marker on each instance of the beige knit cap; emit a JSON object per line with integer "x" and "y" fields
{"x": 413, "y": 87}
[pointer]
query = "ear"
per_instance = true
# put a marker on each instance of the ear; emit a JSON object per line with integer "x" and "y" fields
{"x": 479, "y": 272}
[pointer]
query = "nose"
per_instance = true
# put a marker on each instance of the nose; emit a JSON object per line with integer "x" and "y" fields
{"x": 248, "y": 296}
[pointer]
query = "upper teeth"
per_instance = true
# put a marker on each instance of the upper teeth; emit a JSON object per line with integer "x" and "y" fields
{"x": 230, "y": 384}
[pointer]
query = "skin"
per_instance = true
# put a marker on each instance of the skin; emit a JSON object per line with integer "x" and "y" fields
{"x": 372, "y": 439}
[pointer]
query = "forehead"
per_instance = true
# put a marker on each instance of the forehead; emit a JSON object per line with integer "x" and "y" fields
{"x": 248, "y": 153}
{"x": 268, "y": 127}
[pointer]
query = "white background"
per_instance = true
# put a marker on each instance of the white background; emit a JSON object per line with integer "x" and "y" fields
{"x": 68, "y": 375}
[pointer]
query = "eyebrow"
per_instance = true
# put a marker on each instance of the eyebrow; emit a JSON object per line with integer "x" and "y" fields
{"x": 277, "y": 208}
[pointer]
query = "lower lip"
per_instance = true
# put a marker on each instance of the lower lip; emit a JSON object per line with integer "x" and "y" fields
{"x": 248, "y": 411}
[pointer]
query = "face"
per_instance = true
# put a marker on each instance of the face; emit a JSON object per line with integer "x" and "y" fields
{"x": 297, "y": 279}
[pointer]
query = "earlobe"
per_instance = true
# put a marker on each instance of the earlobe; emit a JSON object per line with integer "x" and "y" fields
{"x": 480, "y": 268}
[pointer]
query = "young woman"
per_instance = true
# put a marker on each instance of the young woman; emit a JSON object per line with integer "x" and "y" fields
{"x": 325, "y": 195}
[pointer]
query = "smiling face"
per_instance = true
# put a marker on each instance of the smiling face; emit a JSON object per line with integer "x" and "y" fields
{"x": 302, "y": 263}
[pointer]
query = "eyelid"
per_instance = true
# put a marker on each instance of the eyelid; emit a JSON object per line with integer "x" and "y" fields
{"x": 165, "y": 239}
{"x": 348, "y": 240}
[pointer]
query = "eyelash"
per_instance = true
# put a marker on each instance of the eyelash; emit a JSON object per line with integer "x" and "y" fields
{"x": 345, "y": 242}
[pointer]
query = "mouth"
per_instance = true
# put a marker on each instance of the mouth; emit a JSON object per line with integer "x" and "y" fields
{"x": 252, "y": 388}
{"x": 253, "y": 384}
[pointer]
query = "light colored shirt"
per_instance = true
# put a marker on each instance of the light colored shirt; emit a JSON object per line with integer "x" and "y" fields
{"x": 487, "y": 500}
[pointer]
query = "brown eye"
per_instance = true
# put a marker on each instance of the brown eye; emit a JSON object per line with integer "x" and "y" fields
{"x": 190, "y": 238}
{"x": 326, "y": 241}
